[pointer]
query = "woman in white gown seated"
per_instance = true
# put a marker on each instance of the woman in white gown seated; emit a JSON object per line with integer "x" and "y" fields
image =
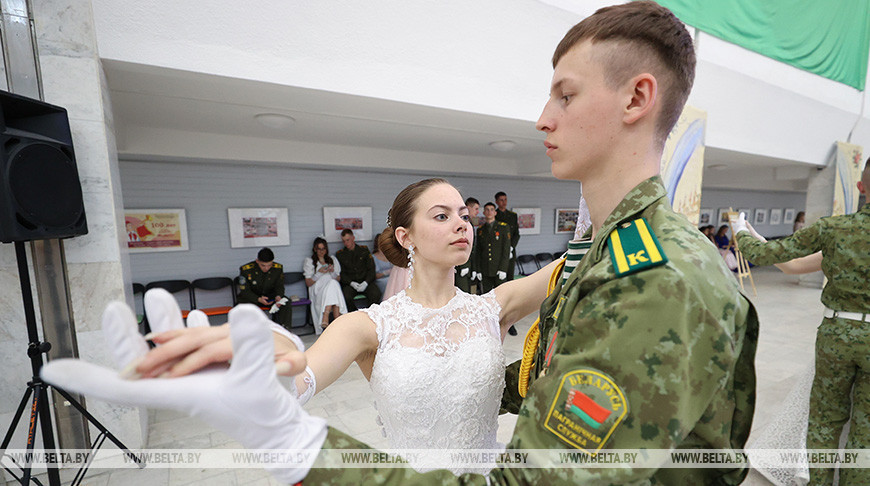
{"x": 321, "y": 273}
{"x": 432, "y": 353}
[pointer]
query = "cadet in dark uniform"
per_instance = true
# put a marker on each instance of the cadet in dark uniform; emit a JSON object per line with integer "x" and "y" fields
{"x": 509, "y": 217}
{"x": 466, "y": 272}
{"x": 357, "y": 271}
{"x": 261, "y": 282}
{"x": 492, "y": 243}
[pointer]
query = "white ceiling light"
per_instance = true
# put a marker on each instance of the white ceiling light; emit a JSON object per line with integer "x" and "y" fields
{"x": 275, "y": 120}
{"x": 503, "y": 145}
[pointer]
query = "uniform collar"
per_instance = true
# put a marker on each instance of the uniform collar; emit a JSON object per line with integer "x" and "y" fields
{"x": 636, "y": 201}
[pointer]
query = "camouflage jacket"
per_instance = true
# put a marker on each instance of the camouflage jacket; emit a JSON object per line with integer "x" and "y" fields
{"x": 666, "y": 354}
{"x": 845, "y": 245}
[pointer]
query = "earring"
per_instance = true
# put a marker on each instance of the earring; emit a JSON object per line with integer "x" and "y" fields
{"x": 410, "y": 265}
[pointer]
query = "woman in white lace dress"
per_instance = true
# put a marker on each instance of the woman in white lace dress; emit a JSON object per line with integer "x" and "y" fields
{"x": 321, "y": 273}
{"x": 432, "y": 353}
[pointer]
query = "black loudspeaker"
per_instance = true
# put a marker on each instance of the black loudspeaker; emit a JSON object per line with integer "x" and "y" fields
{"x": 40, "y": 192}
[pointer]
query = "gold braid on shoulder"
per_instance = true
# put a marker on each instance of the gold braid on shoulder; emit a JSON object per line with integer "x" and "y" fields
{"x": 533, "y": 337}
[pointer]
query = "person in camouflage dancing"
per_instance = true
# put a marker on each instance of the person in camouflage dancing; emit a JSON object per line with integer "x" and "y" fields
{"x": 843, "y": 338}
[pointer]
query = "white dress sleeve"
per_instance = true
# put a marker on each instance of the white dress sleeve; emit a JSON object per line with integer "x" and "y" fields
{"x": 308, "y": 268}
{"x": 336, "y": 267}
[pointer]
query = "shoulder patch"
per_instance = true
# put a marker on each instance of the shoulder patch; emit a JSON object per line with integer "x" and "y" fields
{"x": 277, "y": 265}
{"x": 587, "y": 409}
{"x": 248, "y": 266}
{"x": 634, "y": 247}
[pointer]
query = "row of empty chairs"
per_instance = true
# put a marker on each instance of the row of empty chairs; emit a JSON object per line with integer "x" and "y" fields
{"x": 215, "y": 284}
{"x": 529, "y": 264}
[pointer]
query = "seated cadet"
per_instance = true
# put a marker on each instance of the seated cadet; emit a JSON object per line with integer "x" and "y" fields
{"x": 357, "y": 271}
{"x": 261, "y": 282}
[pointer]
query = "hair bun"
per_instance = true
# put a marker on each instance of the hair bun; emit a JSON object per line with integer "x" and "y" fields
{"x": 392, "y": 250}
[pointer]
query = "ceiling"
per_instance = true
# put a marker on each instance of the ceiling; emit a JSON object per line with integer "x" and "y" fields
{"x": 146, "y": 97}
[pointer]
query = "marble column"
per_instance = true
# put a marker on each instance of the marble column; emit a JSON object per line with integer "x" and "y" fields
{"x": 97, "y": 263}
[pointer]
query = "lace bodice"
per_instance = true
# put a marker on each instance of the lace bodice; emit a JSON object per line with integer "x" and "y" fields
{"x": 438, "y": 376}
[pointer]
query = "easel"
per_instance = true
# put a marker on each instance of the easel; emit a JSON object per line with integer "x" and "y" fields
{"x": 742, "y": 264}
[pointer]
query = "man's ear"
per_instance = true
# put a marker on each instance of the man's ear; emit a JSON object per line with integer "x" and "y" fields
{"x": 643, "y": 92}
{"x": 402, "y": 236}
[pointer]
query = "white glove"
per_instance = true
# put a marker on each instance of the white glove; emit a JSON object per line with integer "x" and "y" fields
{"x": 512, "y": 252}
{"x": 246, "y": 401}
{"x": 355, "y": 286}
{"x": 476, "y": 276}
{"x": 739, "y": 224}
{"x": 464, "y": 272}
{"x": 363, "y": 286}
{"x": 501, "y": 275}
{"x": 276, "y": 306}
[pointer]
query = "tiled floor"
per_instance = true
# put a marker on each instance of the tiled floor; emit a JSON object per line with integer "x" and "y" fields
{"x": 789, "y": 315}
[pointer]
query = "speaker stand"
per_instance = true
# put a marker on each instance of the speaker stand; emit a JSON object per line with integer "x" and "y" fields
{"x": 40, "y": 412}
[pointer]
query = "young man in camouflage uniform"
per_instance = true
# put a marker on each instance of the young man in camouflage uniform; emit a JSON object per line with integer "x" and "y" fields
{"x": 648, "y": 344}
{"x": 843, "y": 339}
{"x": 261, "y": 282}
{"x": 651, "y": 326}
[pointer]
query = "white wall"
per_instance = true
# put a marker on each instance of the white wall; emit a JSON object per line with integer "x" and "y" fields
{"x": 721, "y": 198}
{"x": 206, "y": 191}
{"x": 489, "y": 57}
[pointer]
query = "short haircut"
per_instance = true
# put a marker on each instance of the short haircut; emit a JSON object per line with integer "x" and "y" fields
{"x": 265, "y": 255}
{"x": 488, "y": 205}
{"x": 346, "y": 231}
{"x": 645, "y": 37}
{"x": 500, "y": 194}
{"x": 471, "y": 200}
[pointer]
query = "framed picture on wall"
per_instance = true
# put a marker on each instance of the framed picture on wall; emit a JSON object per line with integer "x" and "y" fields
{"x": 529, "y": 220}
{"x": 723, "y": 216}
{"x": 706, "y": 216}
{"x": 151, "y": 230}
{"x": 788, "y": 217}
{"x": 358, "y": 219}
{"x": 258, "y": 227}
{"x": 760, "y": 217}
{"x": 775, "y": 216}
{"x": 566, "y": 220}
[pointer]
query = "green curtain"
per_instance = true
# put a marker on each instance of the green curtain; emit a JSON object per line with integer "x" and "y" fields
{"x": 826, "y": 37}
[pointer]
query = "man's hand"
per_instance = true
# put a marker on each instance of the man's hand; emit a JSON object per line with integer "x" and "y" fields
{"x": 464, "y": 272}
{"x": 355, "y": 286}
{"x": 501, "y": 275}
{"x": 263, "y": 300}
{"x": 363, "y": 286}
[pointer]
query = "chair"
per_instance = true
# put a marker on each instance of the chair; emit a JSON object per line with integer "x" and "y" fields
{"x": 141, "y": 319}
{"x": 213, "y": 284}
{"x": 543, "y": 259}
{"x": 558, "y": 253}
{"x": 173, "y": 287}
{"x": 291, "y": 278}
{"x": 524, "y": 260}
